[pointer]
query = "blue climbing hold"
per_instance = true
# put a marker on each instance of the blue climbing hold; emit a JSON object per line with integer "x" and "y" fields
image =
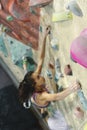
{"x": 56, "y": 78}
{"x": 54, "y": 47}
{"x": 57, "y": 63}
{"x": 82, "y": 98}
{"x": 49, "y": 74}
{"x": 54, "y": 44}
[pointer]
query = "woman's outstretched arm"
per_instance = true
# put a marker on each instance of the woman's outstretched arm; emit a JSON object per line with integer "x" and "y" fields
{"x": 42, "y": 55}
{"x": 63, "y": 94}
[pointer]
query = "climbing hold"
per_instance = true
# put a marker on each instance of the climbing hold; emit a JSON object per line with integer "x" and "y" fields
{"x": 62, "y": 16}
{"x": 11, "y": 42}
{"x": 57, "y": 64}
{"x": 58, "y": 73}
{"x": 25, "y": 63}
{"x": 54, "y": 44}
{"x": 79, "y": 113}
{"x": 74, "y": 8}
{"x": 79, "y": 55}
{"x": 68, "y": 70}
{"x": 72, "y": 59}
{"x": 24, "y": 60}
{"x": 57, "y": 76}
{"x": 82, "y": 99}
{"x": 85, "y": 126}
{"x": 54, "y": 47}
{"x": 49, "y": 74}
{"x": 9, "y": 18}
{"x": 60, "y": 88}
{"x": 51, "y": 65}
{"x": 84, "y": 33}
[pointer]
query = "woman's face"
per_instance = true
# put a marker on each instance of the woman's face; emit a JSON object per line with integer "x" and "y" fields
{"x": 38, "y": 79}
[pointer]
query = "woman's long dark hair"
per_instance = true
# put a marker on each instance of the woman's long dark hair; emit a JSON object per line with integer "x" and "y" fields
{"x": 26, "y": 87}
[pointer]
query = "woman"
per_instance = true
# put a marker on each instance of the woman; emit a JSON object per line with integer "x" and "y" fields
{"x": 33, "y": 86}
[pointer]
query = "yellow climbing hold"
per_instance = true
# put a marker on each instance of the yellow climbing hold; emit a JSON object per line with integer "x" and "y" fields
{"x": 61, "y": 16}
{"x": 85, "y": 127}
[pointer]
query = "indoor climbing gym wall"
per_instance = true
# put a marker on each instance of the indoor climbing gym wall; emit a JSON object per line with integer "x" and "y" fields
{"x": 66, "y": 51}
{"x": 16, "y": 15}
{"x": 65, "y": 59}
{"x": 19, "y": 33}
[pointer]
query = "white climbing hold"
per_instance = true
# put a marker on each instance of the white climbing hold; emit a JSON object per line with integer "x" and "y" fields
{"x": 74, "y": 8}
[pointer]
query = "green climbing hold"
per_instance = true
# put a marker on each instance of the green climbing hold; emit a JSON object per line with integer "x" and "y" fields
{"x": 9, "y": 18}
{"x": 25, "y": 61}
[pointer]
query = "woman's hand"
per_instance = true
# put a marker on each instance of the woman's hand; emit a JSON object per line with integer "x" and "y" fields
{"x": 76, "y": 85}
{"x": 42, "y": 55}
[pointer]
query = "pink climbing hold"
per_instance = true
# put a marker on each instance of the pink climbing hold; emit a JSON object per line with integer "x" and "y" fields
{"x": 84, "y": 33}
{"x": 68, "y": 70}
{"x": 79, "y": 113}
{"x": 78, "y": 50}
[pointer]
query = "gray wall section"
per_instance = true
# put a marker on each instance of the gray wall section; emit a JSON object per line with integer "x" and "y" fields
{"x": 4, "y": 78}
{"x": 6, "y": 70}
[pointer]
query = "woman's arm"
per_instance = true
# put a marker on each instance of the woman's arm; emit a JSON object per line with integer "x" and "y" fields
{"x": 42, "y": 55}
{"x": 63, "y": 94}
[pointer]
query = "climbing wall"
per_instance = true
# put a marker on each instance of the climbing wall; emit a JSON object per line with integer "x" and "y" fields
{"x": 20, "y": 21}
{"x": 58, "y": 47}
{"x": 63, "y": 31}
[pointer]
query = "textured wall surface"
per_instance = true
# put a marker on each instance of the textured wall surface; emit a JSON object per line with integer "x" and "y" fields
{"x": 62, "y": 33}
{"x": 20, "y": 21}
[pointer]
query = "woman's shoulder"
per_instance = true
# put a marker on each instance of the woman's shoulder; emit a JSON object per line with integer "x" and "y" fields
{"x": 44, "y": 94}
